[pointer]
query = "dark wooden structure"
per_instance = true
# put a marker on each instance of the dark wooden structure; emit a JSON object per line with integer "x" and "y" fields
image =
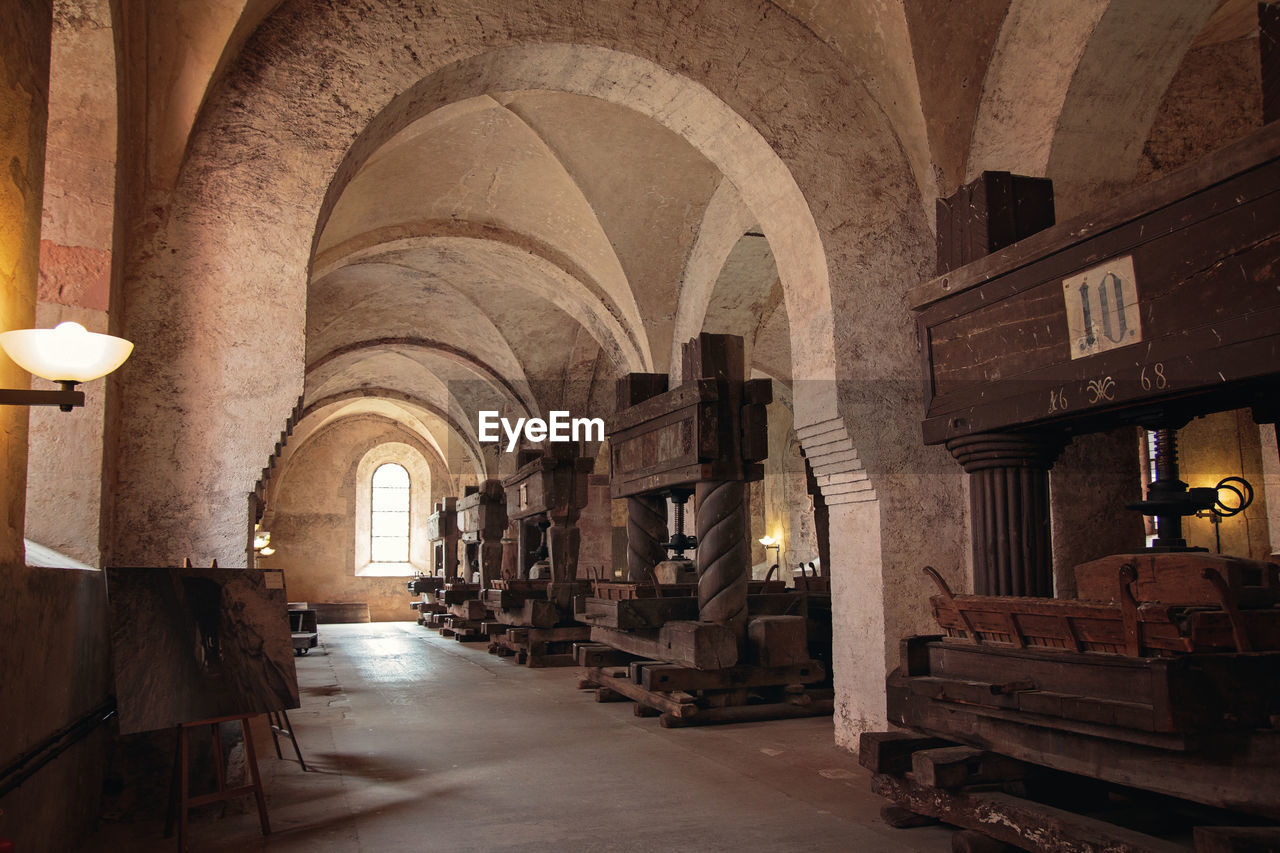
{"x": 481, "y": 520}
{"x": 1166, "y": 678}
{"x": 442, "y": 534}
{"x": 723, "y": 653}
{"x": 1159, "y": 308}
{"x": 534, "y": 616}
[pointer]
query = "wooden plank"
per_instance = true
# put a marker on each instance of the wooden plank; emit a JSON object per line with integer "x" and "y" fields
{"x": 658, "y": 701}
{"x": 751, "y": 713}
{"x": 701, "y": 645}
{"x": 954, "y": 767}
{"x": 1238, "y": 771}
{"x": 1017, "y": 821}
{"x": 1179, "y": 579}
{"x": 538, "y": 613}
{"x": 470, "y": 609}
{"x": 671, "y": 677}
{"x": 599, "y": 655}
{"x": 1204, "y": 331}
{"x": 1237, "y": 839}
{"x": 1230, "y": 161}
{"x": 565, "y": 634}
{"x": 890, "y": 752}
{"x": 636, "y": 614}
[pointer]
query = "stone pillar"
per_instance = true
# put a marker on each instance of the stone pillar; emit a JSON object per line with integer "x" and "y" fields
{"x": 646, "y": 533}
{"x": 724, "y": 555}
{"x": 24, "y": 104}
{"x": 1009, "y": 510}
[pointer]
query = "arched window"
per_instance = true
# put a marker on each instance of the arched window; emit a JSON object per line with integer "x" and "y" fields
{"x": 389, "y": 515}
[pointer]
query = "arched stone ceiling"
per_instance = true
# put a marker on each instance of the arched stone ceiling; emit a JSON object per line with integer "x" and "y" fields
{"x": 536, "y": 241}
{"x": 747, "y": 301}
{"x": 421, "y": 418}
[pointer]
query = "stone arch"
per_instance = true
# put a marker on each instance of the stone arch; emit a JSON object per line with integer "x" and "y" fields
{"x": 1053, "y": 104}
{"x": 463, "y": 432}
{"x": 216, "y": 281}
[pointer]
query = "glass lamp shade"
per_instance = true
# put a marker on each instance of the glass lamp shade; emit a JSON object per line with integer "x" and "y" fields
{"x": 67, "y": 353}
{"x": 768, "y": 541}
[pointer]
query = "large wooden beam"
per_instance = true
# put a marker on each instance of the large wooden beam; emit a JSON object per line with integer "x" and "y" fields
{"x": 701, "y": 645}
{"x": 1013, "y": 820}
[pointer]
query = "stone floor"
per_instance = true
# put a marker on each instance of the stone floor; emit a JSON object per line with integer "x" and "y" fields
{"x": 417, "y": 742}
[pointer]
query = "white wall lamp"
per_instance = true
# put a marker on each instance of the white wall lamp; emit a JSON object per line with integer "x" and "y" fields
{"x": 776, "y": 544}
{"x": 262, "y": 542}
{"x": 67, "y": 354}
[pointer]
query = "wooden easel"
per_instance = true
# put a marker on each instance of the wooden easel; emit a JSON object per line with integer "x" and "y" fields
{"x": 281, "y": 727}
{"x": 180, "y": 799}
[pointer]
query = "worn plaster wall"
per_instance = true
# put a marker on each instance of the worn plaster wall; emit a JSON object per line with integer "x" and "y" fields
{"x": 24, "y": 102}
{"x": 312, "y": 517}
{"x": 1271, "y": 482}
{"x": 53, "y": 658}
{"x": 64, "y": 485}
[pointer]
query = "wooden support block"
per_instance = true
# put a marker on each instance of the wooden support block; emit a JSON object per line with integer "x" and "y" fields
{"x": 604, "y": 694}
{"x": 890, "y": 752}
{"x": 1237, "y": 839}
{"x": 778, "y": 640}
{"x": 636, "y": 614}
{"x": 546, "y": 661}
{"x": 644, "y": 711}
{"x": 598, "y": 654}
{"x": 701, "y": 645}
{"x": 658, "y": 676}
{"x": 972, "y": 841}
{"x": 750, "y": 713}
{"x": 902, "y": 818}
{"x": 676, "y": 705}
{"x": 635, "y": 671}
{"x": 954, "y": 767}
{"x": 568, "y": 634}
{"x": 1013, "y": 820}
{"x": 472, "y": 610}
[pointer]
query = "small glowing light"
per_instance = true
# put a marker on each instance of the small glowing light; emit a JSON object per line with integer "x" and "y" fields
{"x": 267, "y": 551}
{"x": 768, "y": 541}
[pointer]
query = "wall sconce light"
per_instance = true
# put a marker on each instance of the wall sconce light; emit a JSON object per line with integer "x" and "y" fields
{"x": 262, "y": 542}
{"x": 776, "y": 544}
{"x": 67, "y": 354}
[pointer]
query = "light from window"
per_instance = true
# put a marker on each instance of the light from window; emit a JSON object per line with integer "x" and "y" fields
{"x": 389, "y": 531}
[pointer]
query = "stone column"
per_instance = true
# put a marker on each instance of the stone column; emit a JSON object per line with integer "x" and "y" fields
{"x": 724, "y": 555}
{"x": 1009, "y": 510}
{"x": 646, "y": 533}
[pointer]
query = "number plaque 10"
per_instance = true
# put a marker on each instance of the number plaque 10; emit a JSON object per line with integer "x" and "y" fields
{"x": 1102, "y": 308}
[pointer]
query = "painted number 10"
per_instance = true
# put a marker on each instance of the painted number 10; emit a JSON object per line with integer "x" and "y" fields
{"x": 1102, "y": 308}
